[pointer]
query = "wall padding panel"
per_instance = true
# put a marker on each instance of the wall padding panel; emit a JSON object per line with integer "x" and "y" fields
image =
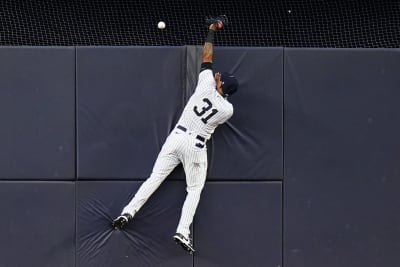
{"x": 249, "y": 146}
{"x": 341, "y": 157}
{"x": 128, "y": 101}
{"x": 37, "y": 113}
{"x": 239, "y": 224}
{"x": 38, "y": 224}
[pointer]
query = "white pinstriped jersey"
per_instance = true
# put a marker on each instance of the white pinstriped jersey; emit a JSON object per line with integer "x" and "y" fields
{"x": 206, "y": 108}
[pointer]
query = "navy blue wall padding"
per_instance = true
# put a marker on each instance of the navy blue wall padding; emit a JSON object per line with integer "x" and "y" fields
{"x": 249, "y": 145}
{"x": 342, "y": 152}
{"x": 129, "y": 98}
{"x": 307, "y": 176}
{"x": 37, "y": 113}
{"x": 147, "y": 241}
{"x": 239, "y": 224}
{"x": 37, "y": 225}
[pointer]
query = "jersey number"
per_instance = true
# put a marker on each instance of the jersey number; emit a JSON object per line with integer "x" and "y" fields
{"x": 204, "y": 109}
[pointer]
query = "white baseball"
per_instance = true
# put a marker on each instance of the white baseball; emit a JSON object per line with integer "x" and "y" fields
{"x": 161, "y": 25}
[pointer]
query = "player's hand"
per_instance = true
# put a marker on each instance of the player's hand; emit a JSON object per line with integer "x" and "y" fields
{"x": 217, "y": 23}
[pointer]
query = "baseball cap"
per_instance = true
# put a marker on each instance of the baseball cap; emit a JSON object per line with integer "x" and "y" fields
{"x": 229, "y": 84}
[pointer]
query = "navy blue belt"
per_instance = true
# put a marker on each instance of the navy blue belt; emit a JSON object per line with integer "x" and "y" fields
{"x": 198, "y": 137}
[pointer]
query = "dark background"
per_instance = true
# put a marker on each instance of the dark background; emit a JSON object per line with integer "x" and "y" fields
{"x": 273, "y": 23}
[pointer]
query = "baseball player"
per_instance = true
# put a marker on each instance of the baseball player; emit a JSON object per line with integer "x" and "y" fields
{"x": 207, "y": 108}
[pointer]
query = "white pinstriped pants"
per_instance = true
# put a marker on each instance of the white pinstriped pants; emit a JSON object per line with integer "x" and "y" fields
{"x": 179, "y": 147}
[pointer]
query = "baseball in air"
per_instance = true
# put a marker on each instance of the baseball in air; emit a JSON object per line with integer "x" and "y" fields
{"x": 161, "y": 25}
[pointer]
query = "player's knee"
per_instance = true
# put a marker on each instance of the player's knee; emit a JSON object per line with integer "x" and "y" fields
{"x": 194, "y": 189}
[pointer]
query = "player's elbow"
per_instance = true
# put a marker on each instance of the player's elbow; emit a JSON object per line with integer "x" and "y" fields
{"x": 207, "y": 57}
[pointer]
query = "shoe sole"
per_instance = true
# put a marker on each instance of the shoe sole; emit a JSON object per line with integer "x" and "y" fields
{"x": 185, "y": 246}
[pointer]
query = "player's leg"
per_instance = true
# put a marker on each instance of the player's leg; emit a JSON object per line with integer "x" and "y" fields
{"x": 163, "y": 166}
{"x": 166, "y": 161}
{"x": 195, "y": 165}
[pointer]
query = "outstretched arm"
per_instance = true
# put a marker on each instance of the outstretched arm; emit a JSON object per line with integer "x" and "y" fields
{"x": 208, "y": 49}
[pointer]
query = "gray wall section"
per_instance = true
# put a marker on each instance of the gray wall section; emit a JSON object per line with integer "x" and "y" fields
{"x": 239, "y": 224}
{"x": 342, "y": 157}
{"x": 129, "y": 99}
{"x": 37, "y": 113}
{"x": 38, "y": 224}
{"x": 249, "y": 145}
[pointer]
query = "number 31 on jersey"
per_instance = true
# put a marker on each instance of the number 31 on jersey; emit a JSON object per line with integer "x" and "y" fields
{"x": 205, "y": 111}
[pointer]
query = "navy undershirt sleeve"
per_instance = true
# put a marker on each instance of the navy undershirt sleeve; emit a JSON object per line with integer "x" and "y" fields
{"x": 206, "y": 66}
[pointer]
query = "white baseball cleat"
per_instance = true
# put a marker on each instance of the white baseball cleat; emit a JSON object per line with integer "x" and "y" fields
{"x": 186, "y": 243}
{"x": 121, "y": 221}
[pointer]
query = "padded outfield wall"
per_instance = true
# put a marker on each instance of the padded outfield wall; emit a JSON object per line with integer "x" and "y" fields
{"x": 306, "y": 172}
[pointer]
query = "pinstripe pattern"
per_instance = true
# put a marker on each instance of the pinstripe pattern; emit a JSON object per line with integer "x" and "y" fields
{"x": 205, "y": 89}
{"x": 205, "y": 110}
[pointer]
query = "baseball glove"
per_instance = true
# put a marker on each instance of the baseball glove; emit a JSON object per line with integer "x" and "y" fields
{"x": 221, "y": 21}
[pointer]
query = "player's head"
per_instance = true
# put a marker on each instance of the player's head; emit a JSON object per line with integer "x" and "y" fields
{"x": 229, "y": 84}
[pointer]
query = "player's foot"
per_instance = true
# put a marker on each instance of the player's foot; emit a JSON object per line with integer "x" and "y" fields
{"x": 121, "y": 221}
{"x": 186, "y": 243}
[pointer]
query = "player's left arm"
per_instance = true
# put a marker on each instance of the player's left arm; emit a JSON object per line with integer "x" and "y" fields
{"x": 208, "y": 48}
{"x": 206, "y": 70}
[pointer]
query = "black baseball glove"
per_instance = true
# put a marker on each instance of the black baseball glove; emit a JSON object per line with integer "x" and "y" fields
{"x": 220, "y": 22}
